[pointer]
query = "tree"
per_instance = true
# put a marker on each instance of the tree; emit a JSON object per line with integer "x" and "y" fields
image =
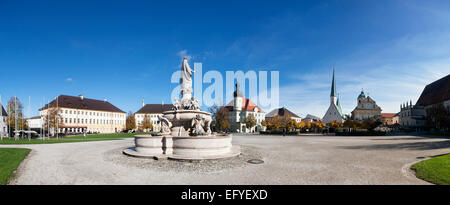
{"x": 353, "y": 124}
{"x": 53, "y": 119}
{"x": 300, "y": 125}
{"x": 130, "y": 123}
{"x": 146, "y": 124}
{"x": 335, "y": 124}
{"x": 15, "y": 107}
{"x": 437, "y": 117}
{"x": 250, "y": 121}
{"x": 370, "y": 124}
{"x": 220, "y": 118}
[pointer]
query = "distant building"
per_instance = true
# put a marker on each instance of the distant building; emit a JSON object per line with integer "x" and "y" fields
{"x": 80, "y": 114}
{"x": 436, "y": 93}
{"x": 311, "y": 118}
{"x": 334, "y": 112}
{"x": 239, "y": 109}
{"x": 3, "y": 122}
{"x": 366, "y": 108}
{"x": 35, "y": 123}
{"x": 389, "y": 118}
{"x": 412, "y": 116}
{"x": 282, "y": 112}
{"x": 152, "y": 111}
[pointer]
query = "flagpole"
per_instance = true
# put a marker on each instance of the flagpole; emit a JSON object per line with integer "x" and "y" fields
{"x": 40, "y": 117}
{"x": 57, "y": 119}
{"x": 29, "y": 113}
{"x": 9, "y": 121}
{"x": 48, "y": 119}
{"x": 1, "y": 114}
{"x": 15, "y": 117}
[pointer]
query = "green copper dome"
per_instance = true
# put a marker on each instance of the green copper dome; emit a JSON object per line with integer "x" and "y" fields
{"x": 362, "y": 95}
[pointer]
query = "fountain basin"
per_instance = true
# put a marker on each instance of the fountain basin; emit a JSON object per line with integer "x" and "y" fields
{"x": 181, "y": 120}
{"x": 189, "y": 148}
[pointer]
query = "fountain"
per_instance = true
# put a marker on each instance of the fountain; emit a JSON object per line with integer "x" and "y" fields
{"x": 185, "y": 131}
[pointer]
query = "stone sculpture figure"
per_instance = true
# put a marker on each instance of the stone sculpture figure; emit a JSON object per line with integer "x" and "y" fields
{"x": 165, "y": 125}
{"x": 197, "y": 125}
{"x": 194, "y": 104}
{"x": 177, "y": 104}
{"x": 207, "y": 126}
{"x": 186, "y": 80}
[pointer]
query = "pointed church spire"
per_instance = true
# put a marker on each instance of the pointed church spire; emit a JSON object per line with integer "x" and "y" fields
{"x": 333, "y": 86}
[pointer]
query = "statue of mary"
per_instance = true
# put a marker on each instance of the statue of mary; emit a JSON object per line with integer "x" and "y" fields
{"x": 186, "y": 80}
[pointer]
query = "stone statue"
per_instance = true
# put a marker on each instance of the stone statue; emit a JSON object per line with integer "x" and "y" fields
{"x": 197, "y": 125}
{"x": 177, "y": 104}
{"x": 207, "y": 126}
{"x": 186, "y": 80}
{"x": 194, "y": 104}
{"x": 165, "y": 125}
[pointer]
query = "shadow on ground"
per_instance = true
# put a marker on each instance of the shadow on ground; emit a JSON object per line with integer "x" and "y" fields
{"x": 411, "y": 146}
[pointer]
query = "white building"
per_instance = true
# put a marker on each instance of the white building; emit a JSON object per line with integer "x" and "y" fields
{"x": 334, "y": 112}
{"x": 239, "y": 109}
{"x": 3, "y": 122}
{"x": 80, "y": 114}
{"x": 152, "y": 111}
{"x": 35, "y": 122}
{"x": 412, "y": 116}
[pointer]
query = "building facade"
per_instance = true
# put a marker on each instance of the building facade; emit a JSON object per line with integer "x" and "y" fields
{"x": 3, "y": 122}
{"x": 282, "y": 112}
{"x": 366, "y": 108}
{"x": 80, "y": 114}
{"x": 334, "y": 112}
{"x": 412, "y": 116}
{"x": 153, "y": 111}
{"x": 35, "y": 123}
{"x": 240, "y": 109}
{"x": 435, "y": 95}
{"x": 389, "y": 118}
{"x": 311, "y": 118}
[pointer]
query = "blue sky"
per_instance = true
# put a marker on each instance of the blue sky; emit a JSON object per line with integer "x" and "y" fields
{"x": 127, "y": 50}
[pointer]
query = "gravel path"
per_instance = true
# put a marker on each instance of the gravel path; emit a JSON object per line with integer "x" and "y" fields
{"x": 287, "y": 160}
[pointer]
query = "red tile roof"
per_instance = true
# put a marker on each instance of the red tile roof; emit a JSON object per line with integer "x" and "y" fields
{"x": 436, "y": 92}
{"x": 155, "y": 108}
{"x": 388, "y": 115}
{"x": 246, "y": 105}
{"x": 66, "y": 101}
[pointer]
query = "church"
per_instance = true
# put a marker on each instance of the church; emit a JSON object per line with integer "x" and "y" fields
{"x": 239, "y": 109}
{"x": 366, "y": 108}
{"x": 334, "y": 112}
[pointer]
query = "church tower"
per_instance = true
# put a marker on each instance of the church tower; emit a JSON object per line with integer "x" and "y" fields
{"x": 334, "y": 112}
{"x": 238, "y": 98}
{"x": 333, "y": 96}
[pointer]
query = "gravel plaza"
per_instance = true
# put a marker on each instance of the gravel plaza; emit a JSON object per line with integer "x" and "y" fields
{"x": 297, "y": 160}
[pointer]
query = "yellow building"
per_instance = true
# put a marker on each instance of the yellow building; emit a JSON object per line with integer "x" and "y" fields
{"x": 79, "y": 114}
{"x": 366, "y": 108}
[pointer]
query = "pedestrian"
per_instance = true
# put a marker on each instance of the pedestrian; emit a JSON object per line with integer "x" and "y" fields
{"x": 84, "y": 135}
